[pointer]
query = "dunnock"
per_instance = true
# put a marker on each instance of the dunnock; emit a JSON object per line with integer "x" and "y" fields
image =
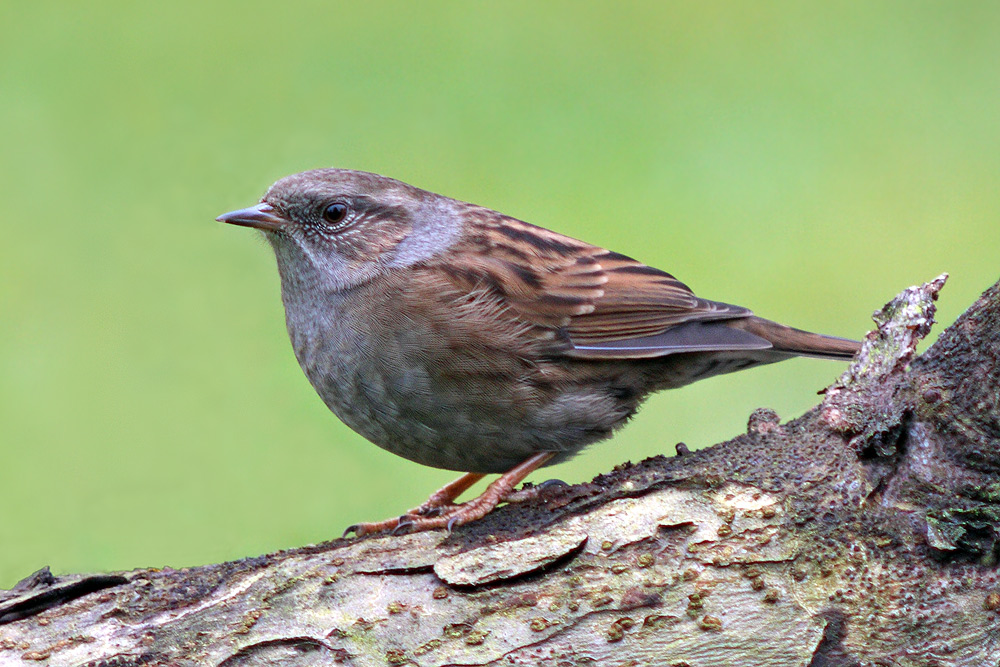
{"x": 461, "y": 338}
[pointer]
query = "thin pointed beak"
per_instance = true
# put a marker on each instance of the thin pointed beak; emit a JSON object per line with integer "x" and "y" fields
{"x": 261, "y": 216}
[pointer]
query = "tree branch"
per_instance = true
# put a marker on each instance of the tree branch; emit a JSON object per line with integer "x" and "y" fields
{"x": 863, "y": 533}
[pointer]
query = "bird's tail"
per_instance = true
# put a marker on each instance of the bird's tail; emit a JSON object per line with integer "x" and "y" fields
{"x": 797, "y": 342}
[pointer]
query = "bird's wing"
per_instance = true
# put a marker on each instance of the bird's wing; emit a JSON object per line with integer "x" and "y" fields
{"x": 598, "y": 303}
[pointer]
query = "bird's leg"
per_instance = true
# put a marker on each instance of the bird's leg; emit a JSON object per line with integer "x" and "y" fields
{"x": 456, "y": 515}
{"x": 446, "y": 495}
{"x": 435, "y": 504}
{"x": 483, "y": 504}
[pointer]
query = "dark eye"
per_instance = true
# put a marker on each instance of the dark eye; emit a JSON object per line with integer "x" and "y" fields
{"x": 335, "y": 213}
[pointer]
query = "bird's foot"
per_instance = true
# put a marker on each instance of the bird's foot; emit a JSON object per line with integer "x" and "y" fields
{"x": 423, "y": 518}
{"x": 440, "y": 502}
{"x": 440, "y": 510}
{"x": 444, "y": 498}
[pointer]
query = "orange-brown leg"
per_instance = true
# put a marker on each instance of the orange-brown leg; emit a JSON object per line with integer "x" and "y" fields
{"x": 447, "y": 515}
{"x": 435, "y": 504}
{"x": 447, "y": 494}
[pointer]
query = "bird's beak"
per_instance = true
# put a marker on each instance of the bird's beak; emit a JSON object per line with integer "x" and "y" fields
{"x": 261, "y": 216}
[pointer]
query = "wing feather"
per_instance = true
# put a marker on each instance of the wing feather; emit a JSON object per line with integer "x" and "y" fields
{"x": 599, "y": 303}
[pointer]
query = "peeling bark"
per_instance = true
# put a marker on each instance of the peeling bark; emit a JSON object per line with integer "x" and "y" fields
{"x": 866, "y": 532}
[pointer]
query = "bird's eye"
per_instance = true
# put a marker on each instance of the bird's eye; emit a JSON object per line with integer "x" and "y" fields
{"x": 335, "y": 212}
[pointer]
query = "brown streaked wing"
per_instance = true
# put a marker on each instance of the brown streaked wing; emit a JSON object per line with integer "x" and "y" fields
{"x": 641, "y": 301}
{"x": 609, "y": 305}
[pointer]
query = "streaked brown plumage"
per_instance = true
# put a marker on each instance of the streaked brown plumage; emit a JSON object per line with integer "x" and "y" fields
{"x": 464, "y": 339}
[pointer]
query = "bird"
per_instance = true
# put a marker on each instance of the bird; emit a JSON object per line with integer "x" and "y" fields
{"x": 461, "y": 338}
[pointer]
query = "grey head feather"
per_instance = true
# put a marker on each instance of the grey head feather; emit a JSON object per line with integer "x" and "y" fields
{"x": 432, "y": 224}
{"x": 437, "y": 225}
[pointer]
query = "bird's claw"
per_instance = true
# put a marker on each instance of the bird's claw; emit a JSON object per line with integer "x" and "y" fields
{"x": 403, "y": 524}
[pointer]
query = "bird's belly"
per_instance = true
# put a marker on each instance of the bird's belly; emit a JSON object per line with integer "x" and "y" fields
{"x": 403, "y": 415}
{"x": 477, "y": 425}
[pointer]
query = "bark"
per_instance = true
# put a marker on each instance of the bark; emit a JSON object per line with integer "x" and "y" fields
{"x": 863, "y": 533}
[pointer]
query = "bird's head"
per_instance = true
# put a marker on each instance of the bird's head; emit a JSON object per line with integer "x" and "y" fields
{"x": 345, "y": 227}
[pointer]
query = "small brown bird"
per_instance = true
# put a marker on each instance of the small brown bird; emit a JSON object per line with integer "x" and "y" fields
{"x": 461, "y": 338}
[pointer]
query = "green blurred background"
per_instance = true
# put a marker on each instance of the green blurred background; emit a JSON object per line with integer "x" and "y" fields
{"x": 808, "y": 160}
